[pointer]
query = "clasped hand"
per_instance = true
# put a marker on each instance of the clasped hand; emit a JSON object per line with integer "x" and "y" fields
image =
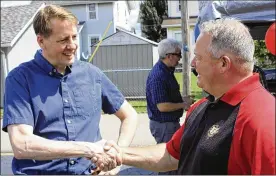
{"x": 109, "y": 158}
{"x": 188, "y": 101}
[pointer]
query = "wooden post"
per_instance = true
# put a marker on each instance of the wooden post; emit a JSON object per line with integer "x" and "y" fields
{"x": 186, "y": 69}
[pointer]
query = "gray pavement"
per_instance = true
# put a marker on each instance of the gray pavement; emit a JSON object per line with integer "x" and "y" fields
{"x": 109, "y": 126}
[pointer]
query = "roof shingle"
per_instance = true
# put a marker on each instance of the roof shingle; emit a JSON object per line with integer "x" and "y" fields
{"x": 14, "y": 18}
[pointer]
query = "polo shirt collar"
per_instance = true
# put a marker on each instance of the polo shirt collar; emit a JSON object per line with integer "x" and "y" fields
{"x": 45, "y": 65}
{"x": 165, "y": 67}
{"x": 240, "y": 91}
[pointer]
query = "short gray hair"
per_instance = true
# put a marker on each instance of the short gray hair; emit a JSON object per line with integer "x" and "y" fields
{"x": 230, "y": 35}
{"x": 168, "y": 46}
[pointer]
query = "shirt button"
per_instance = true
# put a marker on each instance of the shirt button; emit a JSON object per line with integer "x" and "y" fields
{"x": 65, "y": 100}
{"x": 72, "y": 162}
{"x": 69, "y": 121}
{"x": 50, "y": 73}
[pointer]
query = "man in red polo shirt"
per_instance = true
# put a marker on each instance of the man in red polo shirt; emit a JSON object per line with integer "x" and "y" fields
{"x": 230, "y": 132}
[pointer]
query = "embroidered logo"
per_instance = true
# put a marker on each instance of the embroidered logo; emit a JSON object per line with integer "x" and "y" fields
{"x": 213, "y": 130}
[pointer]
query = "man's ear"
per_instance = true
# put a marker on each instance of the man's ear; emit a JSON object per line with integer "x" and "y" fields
{"x": 40, "y": 40}
{"x": 225, "y": 63}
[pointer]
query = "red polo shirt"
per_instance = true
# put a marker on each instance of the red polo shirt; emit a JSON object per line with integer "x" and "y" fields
{"x": 252, "y": 149}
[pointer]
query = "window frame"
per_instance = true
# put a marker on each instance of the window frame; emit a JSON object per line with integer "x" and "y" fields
{"x": 179, "y": 6}
{"x": 89, "y": 40}
{"x": 88, "y": 11}
{"x": 177, "y": 32}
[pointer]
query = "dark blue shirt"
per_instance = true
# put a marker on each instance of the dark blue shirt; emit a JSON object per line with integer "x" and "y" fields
{"x": 61, "y": 108}
{"x": 162, "y": 87}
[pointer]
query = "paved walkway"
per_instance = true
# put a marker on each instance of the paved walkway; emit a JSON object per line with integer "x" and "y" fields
{"x": 109, "y": 126}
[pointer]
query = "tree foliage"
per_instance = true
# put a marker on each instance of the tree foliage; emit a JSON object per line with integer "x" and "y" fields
{"x": 152, "y": 13}
{"x": 264, "y": 58}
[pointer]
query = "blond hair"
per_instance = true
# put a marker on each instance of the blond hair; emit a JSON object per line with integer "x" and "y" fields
{"x": 42, "y": 20}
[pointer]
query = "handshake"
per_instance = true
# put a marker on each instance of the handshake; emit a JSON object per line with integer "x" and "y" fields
{"x": 188, "y": 101}
{"x": 108, "y": 158}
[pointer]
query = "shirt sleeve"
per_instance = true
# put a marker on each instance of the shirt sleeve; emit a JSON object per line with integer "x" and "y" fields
{"x": 257, "y": 143}
{"x": 17, "y": 102}
{"x": 173, "y": 146}
{"x": 112, "y": 98}
{"x": 159, "y": 92}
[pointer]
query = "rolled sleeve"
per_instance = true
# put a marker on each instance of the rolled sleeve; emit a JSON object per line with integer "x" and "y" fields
{"x": 112, "y": 98}
{"x": 17, "y": 103}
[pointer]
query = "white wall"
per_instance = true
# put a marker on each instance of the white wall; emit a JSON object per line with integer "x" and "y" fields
{"x": 23, "y": 50}
{"x": 121, "y": 14}
{"x": 173, "y": 8}
{"x": 172, "y": 31}
{"x": 155, "y": 56}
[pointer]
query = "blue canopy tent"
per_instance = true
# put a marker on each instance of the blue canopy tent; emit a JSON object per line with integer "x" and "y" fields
{"x": 256, "y": 15}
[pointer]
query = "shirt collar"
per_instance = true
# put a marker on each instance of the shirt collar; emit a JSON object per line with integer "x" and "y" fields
{"x": 165, "y": 67}
{"x": 45, "y": 65}
{"x": 237, "y": 93}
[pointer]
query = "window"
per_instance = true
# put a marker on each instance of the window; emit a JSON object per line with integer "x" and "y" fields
{"x": 92, "y": 40}
{"x": 92, "y": 11}
{"x": 178, "y": 36}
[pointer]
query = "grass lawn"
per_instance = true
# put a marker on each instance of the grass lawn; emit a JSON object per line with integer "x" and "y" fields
{"x": 195, "y": 90}
{"x": 141, "y": 106}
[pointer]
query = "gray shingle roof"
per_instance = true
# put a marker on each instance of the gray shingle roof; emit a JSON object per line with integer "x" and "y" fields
{"x": 14, "y": 18}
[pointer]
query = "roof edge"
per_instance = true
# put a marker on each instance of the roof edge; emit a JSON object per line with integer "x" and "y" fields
{"x": 5, "y": 45}
{"x": 139, "y": 37}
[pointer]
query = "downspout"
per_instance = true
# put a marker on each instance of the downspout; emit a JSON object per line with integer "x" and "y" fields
{"x": 3, "y": 75}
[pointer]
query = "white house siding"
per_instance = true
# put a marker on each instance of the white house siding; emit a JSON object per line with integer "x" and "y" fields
{"x": 155, "y": 56}
{"x": 23, "y": 50}
{"x": 172, "y": 31}
{"x": 173, "y": 11}
{"x": 121, "y": 14}
{"x": 173, "y": 8}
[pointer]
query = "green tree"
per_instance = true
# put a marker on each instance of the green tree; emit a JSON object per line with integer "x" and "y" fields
{"x": 152, "y": 13}
{"x": 263, "y": 57}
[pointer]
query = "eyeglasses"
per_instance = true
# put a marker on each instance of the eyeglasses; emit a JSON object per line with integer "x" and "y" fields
{"x": 176, "y": 54}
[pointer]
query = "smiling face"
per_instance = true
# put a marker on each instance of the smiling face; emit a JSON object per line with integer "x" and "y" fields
{"x": 61, "y": 46}
{"x": 205, "y": 64}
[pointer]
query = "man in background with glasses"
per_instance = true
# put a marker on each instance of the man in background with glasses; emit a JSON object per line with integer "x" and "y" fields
{"x": 165, "y": 104}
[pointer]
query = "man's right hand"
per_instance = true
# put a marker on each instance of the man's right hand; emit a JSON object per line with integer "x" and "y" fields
{"x": 188, "y": 101}
{"x": 110, "y": 158}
